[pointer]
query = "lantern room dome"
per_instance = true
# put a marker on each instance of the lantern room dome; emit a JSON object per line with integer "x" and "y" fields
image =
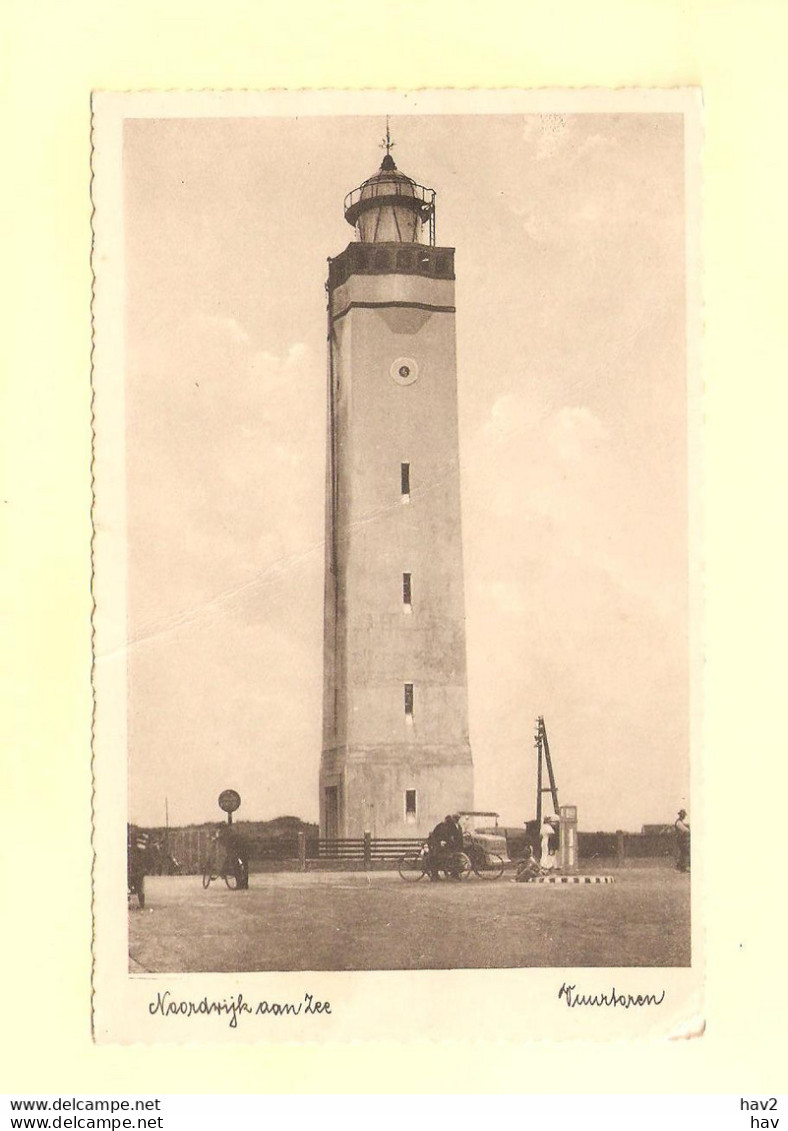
{"x": 389, "y": 207}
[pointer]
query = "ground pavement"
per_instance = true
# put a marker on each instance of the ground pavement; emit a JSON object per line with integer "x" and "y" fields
{"x": 377, "y": 921}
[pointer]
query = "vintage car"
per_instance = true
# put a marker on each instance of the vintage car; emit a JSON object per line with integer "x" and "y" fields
{"x": 481, "y": 829}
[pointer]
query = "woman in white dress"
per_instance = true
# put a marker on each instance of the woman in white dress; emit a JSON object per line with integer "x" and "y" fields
{"x": 547, "y": 861}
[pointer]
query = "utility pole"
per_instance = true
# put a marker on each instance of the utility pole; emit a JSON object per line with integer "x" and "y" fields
{"x": 543, "y": 756}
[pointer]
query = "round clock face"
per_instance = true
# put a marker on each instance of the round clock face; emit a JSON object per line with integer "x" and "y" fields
{"x": 404, "y": 370}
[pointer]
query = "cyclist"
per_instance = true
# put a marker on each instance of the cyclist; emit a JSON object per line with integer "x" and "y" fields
{"x": 235, "y": 855}
{"x": 444, "y": 842}
{"x": 137, "y": 861}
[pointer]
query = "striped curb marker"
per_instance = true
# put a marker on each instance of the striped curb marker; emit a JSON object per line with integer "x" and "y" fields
{"x": 575, "y": 879}
{"x": 571, "y": 880}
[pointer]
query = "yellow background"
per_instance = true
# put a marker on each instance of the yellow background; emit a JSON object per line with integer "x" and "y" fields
{"x": 53, "y": 56}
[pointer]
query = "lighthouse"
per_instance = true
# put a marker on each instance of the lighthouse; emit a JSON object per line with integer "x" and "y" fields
{"x": 396, "y": 754}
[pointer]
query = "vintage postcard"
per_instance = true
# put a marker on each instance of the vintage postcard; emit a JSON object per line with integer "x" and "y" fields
{"x": 397, "y": 558}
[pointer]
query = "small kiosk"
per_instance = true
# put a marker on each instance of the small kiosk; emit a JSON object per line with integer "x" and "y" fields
{"x": 567, "y": 839}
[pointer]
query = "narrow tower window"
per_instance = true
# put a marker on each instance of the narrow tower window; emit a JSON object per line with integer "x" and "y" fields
{"x": 405, "y": 482}
{"x": 407, "y": 592}
{"x": 409, "y": 702}
{"x": 410, "y": 806}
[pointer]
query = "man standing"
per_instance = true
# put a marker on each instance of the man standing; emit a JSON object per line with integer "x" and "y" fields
{"x": 683, "y": 838}
{"x": 444, "y": 841}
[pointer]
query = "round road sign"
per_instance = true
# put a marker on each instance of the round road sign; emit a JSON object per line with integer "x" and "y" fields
{"x": 229, "y": 800}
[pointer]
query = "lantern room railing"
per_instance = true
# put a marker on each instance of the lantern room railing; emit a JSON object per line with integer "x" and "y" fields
{"x": 394, "y": 189}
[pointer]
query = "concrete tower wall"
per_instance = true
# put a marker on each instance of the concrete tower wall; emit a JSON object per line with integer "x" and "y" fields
{"x": 380, "y": 741}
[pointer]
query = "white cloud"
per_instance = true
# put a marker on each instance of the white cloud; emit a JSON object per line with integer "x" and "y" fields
{"x": 546, "y": 134}
{"x": 225, "y": 324}
{"x": 575, "y": 433}
{"x": 571, "y": 431}
{"x": 298, "y": 352}
{"x": 552, "y": 135}
{"x": 596, "y": 143}
{"x": 295, "y": 354}
{"x": 508, "y": 596}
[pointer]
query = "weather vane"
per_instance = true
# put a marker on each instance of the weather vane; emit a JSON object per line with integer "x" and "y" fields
{"x": 387, "y": 143}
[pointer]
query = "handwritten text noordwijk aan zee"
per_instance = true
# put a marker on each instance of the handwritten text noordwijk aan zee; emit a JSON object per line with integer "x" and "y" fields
{"x": 165, "y": 1005}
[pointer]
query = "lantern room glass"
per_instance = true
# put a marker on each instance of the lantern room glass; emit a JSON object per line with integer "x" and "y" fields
{"x": 389, "y": 207}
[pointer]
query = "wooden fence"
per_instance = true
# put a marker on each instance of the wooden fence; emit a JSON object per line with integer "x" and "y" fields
{"x": 186, "y": 850}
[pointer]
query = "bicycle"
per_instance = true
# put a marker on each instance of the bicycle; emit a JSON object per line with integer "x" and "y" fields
{"x": 486, "y": 865}
{"x": 223, "y": 864}
{"x": 414, "y": 866}
{"x": 528, "y": 870}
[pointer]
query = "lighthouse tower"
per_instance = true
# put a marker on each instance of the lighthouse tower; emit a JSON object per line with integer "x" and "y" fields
{"x": 396, "y": 754}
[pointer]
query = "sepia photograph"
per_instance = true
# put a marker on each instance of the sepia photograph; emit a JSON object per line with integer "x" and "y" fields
{"x": 393, "y": 563}
{"x": 404, "y": 523}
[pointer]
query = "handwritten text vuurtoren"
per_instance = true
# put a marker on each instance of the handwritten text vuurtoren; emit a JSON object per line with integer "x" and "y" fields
{"x": 625, "y": 1001}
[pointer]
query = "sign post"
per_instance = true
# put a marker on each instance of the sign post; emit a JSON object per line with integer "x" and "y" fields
{"x": 229, "y": 801}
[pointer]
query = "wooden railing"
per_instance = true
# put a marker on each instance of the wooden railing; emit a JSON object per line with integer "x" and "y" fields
{"x": 364, "y": 848}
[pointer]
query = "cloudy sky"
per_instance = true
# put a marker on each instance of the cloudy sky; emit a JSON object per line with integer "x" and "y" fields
{"x": 569, "y": 232}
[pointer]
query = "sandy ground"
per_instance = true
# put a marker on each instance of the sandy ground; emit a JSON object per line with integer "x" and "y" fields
{"x": 376, "y": 921}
